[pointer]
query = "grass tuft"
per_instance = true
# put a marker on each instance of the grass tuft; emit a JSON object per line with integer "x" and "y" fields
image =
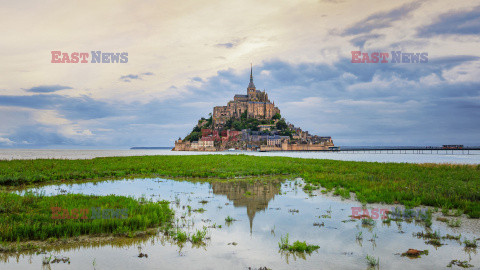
{"x": 297, "y": 246}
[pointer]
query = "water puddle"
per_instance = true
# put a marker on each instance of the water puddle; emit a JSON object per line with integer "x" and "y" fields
{"x": 262, "y": 212}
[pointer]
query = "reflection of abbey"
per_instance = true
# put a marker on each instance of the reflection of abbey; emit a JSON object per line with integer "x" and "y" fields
{"x": 250, "y": 122}
{"x": 255, "y": 103}
{"x": 253, "y": 196}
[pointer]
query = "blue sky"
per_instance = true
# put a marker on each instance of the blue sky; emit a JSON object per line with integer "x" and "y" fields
{"x": 186, "y": 58}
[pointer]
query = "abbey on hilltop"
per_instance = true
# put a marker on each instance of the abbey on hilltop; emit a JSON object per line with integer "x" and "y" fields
{"x": 250, "y": 122}
{"x": 255, "y": 104}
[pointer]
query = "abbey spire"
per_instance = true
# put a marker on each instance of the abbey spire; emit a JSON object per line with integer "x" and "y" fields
{"x": 251, "y": 85}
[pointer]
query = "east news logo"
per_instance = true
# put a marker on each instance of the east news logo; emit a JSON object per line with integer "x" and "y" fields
{"x": 382, "y": 57}
{"x": 82, "y": 57}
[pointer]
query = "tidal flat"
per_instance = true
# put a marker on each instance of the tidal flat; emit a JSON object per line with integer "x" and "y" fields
{"x": 239, "y": 212}
{"x": 242, "y": 223}
{"x": 445, "y": 186}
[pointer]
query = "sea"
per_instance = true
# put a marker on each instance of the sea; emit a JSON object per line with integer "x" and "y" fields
{"x": 449, "y": 157}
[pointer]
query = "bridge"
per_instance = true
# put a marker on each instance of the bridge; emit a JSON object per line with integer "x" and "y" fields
{"x": 406, "y": 150}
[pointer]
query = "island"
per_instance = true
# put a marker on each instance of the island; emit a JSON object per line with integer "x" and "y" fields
{"x": 250, "y": 122}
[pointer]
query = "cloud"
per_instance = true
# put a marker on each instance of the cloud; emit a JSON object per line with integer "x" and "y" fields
{"x": 381, "y": 20}
{"x": 448, "y": 62}
{"x": 47, "y": 88}
{"x": 129, "y": 77}
{"x": 364, "y": 104}
{"x": 458, "y": 22}
{"x": 354, "y": 103}
{"x": 361, "y": 40}
{"x": 6, "y": 141}
{"x": 231, "y": 44}
{"x": 82, "y": 107}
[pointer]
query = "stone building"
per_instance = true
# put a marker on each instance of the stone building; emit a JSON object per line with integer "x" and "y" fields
{"x": 255, "y": 103}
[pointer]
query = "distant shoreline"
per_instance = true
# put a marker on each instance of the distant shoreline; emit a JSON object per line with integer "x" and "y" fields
{"x": 144, "y": 148}
{"x": 368, "y": 156}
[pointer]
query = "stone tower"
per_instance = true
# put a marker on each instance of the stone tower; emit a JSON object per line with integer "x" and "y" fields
{"x": 251, "y": 87}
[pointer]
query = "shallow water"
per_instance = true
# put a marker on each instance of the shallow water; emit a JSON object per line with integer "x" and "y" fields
{"x": 472, "y": 158}
{"x": 264, "y": 211}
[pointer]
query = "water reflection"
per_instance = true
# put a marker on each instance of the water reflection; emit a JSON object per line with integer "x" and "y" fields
{"x": 265, "y": 211}
{"x": 252, "y": 195}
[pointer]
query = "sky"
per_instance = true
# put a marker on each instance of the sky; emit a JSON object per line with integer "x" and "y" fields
{"x": 185, "y": 57}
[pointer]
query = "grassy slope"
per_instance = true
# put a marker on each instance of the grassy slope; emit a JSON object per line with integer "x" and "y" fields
{"x": 446, "y": 186}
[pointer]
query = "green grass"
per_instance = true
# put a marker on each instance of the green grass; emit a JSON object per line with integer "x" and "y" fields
{"x": 29, "y": 217}
{"x": 342, "y": 192}
{"x": 443, "y": 186}
{"x": 434, "y": 242}
{"x": 199, "y": 236}
{"x": 428, "y": 235}
{"x": 180, "y": 236}
{"x": 372, "y": 261}
{"x": 452, "y": 237}
{"x": 368, "y": 222}
{"x": 297, "y": 246}
{"x": 229, "y": 219}
{"x": 470, "y": 243}
{"x": 454, "y": 223}
{"x": 462, "y": 264}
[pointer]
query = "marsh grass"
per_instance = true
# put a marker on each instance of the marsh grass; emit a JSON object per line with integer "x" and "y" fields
{"x": 439, "y": 185}
{"x": 372, "y": 261}
{"x": 180, "y": 236}
{"x": 454, "y": 223}
{"x": 462, "y": 264}
{"x": 442, "y": 219}
{"x": 434, "y": 242}
{"x": 297, "y": 246}
{"x": 368, "y": 222}
{"x": 452, "y": 237}
{"x": 345, "y": 194}
{"x": 29, "y": 216}
{"x": 199, "y": 236}
{"x": 428, "y": 235}
{"x": 470, "y": 243}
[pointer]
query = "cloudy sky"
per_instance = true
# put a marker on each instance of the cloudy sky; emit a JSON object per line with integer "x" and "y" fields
{"x": 184, "y": 57}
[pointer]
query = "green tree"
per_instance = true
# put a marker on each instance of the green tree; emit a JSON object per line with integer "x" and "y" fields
{"x": 277, "y": 116}
{"x": 286, "y": 133}
{"x": 196, "y": 129}
{"x": 237, "y": 125}
{"x": 282, "y": 125}
{"x": 209, "y": 121}
{"x": 228, "y": 123}
{"x": 194, "y": 136}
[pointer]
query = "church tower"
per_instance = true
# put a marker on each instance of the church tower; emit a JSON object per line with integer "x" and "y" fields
{"x": 251, "y": 86}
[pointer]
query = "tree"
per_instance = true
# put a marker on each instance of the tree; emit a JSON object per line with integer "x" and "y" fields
{"x": 209, "y": 121}
{"x": 237, "y": 125}
{"x": 277, "y": 116}
{"x": 228, "y": 123}
{"x": 194, "y": 136}
{"x": 286, "y": 133}
{"x": 253, "y": 124}
{"x": 281, "y": 125}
